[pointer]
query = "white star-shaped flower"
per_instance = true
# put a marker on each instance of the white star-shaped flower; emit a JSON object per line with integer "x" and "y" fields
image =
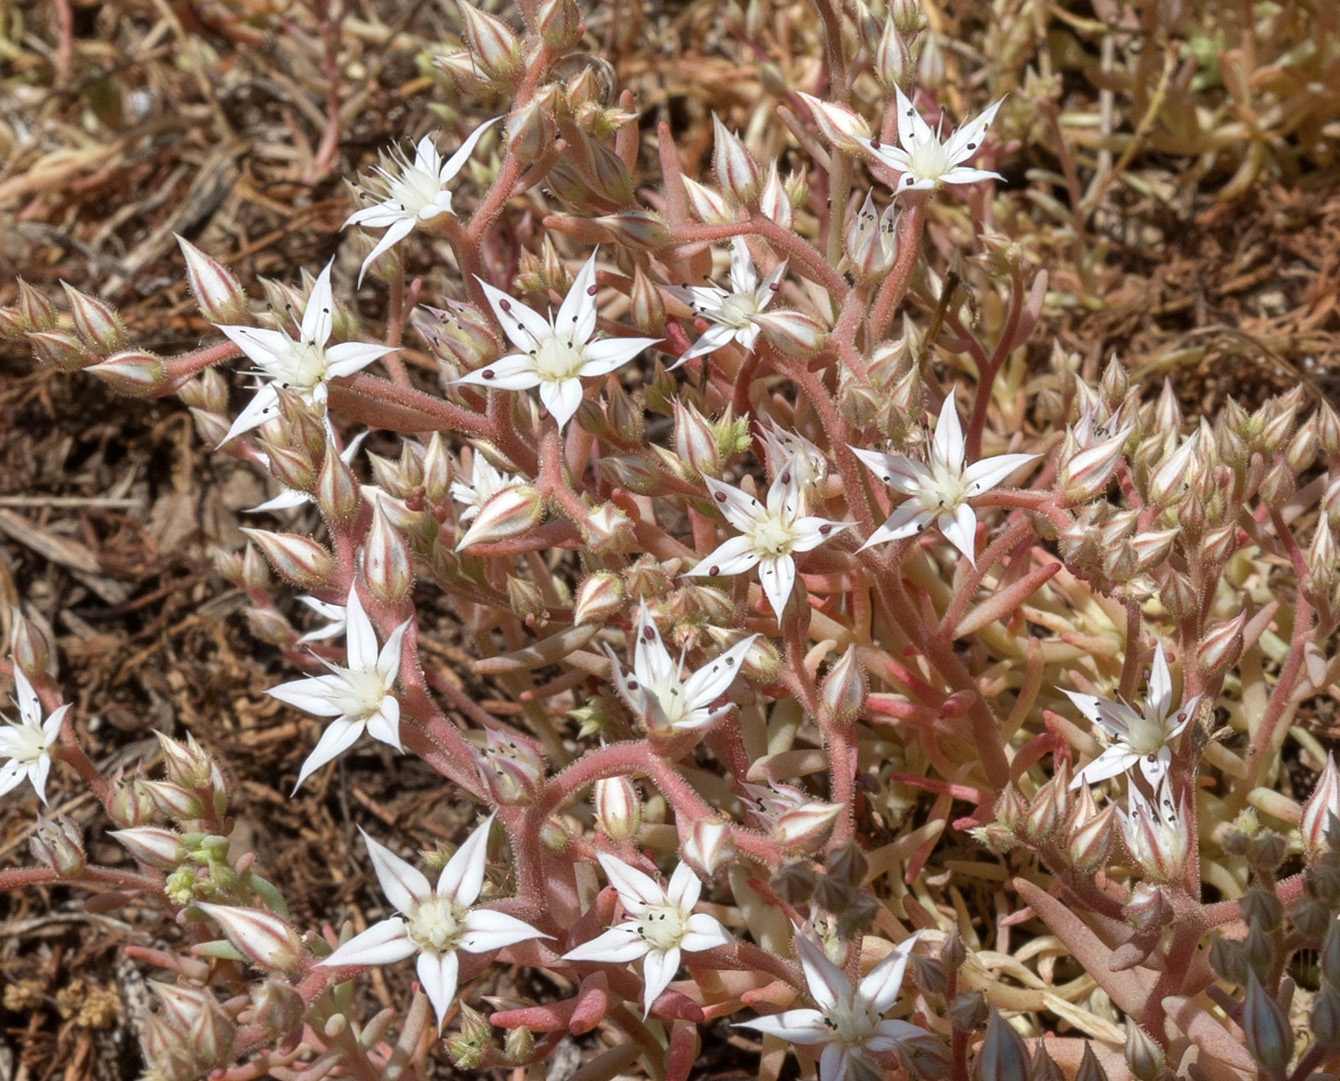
{"x": 304, "y": 366}
{"x": 924, "y": 161}
{"x": 412, "y": 192}
{"x": 661, "y": 926}
{"x": 847, "y": 1023}
{"x": 555, "y": 353}
{"x": 1155, "y": 834}
{"x": 358, "y": 697}
{"x": 769, "y": 534}
{"x": 27, "y": 742}
{"x": 1142, "y": 739}
{"x": 485, "y": 483}
{"x": 434, "y": 923}
{"x": 730, "y": 312}
{"x": 654, "y": 690}
{"x": 938, "y": 490}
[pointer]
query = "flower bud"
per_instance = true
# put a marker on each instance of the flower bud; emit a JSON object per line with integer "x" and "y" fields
{"x": 34, "y": 307}
{"x": 153, "y": 846}
{"x": 337, "y": 491}
{"x": 1322, "y": 805}
{"x": 1266, "y": 1028}
{"x": 96, "y": 322}
{"x": 709, "y": 845}
{"x": 774, "y": 202}
{"x": 1002, "y": 1056}
{"x": 29, "y": 646}
{"x": 173, "y": 801}
{"x": 707, "y": 205}
{"x": 1220, "y": 647}
{"x": 695, "y": 442}
{"x": 735, "y": 168}
{"x": 892, "y": 58}
{"x": 493, "y": 46}
{"x": 1011, "y": 807}
{"x": 618, "y": 808}
{"x": 807, "y": 827}
{"x": 1148, "y": 909}
{"x": 217, "y": 293}
{"x": 610, "y": 177}
{"x": 1228, "y": 959}
{"x": 1091, "y": 840}
{"x": 871, "y": 241}
{"x": 276, "y": 1006}
{"x": 969, "y": 1010}
{"x": 260, "y": 937}
{"x": 1169, "y": 479}
{"x": 843, "y": 691}
{"x": 299, "y": 560}
{"x": 512, "y": 767}
{"x": 1143, "y": 1054}
{"x": 607, "y": 529}
{"x": 1090, "y": 1069}
{"x": 560, "y": 24}
{"x": 640, "y": 230}
{"x": 133, "y": 372}
{"x": 840, "y": 126}
{"x": 388, "y": 565}
{"x": 906, "y": 15}
{"x": 130, "y": 805}
{"x": 1049, "y": 809}
{"x": 793, "y": 334}
{"x": 505, "y": 514}
{"x": 519, "y": 1045}
{"x": 59, "y": 845}
{"x": 1325, "y": 1017}
{"x": 524, "y": 598}
{"x": 598, "y": 598}
{"x": 291, "y": 466}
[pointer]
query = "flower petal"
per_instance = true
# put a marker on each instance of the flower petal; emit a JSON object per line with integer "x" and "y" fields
{"x": 739, "y": 508}
{"x": 618, "y": 945}
{"x": 403, "y": 884}
{"x": 899, "y": 472}
{"x": 604, "y": 356}
{"x": 360, "y": 638}
{"x": 486, "y": 929}
{"x": 658, "y": 969}
{"x": 984, "y": 475}
{"x": 704, "y": 933}
{"x": 463, "y": 876}
{"x": 513, "y": 372}
{"x": 960, "y": 529}
{"x": 743, "y": 276}
{"x": 947, "y": 444}
{"x": 824, "y": 979}
{"x": 907, "y": 518}
{"x": 338, "y": 737}
{"x": 684, "y": 888}
{"x": 734, "y": 556}
{"x": 777, "y": 575}
{"x": 383, "y": 943}
{"x": 525, "y": 328}
{"x": 438, "y": 973}
{"x": 795, "y": 1026}
{"x": 882, "y": 983}
{"x": 1158, "y": 699}
{"x": 576, "y": 316}
{"x": 707, "y": 684}
{"x": 635, "y": 888}
{"x": 562, "y": 397}
{"x": 318, "y": 316}
{"x": 453, "y": 164}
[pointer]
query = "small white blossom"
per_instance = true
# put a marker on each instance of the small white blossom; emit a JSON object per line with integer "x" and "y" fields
{"x": 661, "y": 926}
{"x": 938, "y": 490}
{"x": 1155, "y": 834}
{"x": 27, "y": 742}
{"x": 412, "y": 192}
{"x": 555, "y": 353}
{"x": 847, "y": 1023}
{"x": 304, "y": 366}
{"x": 769, "y": 534}
{"x": 434, "y": 923}
{"x": 924, "y": 160}
{"x": 781, "y": 447}
{"x": 654, "y": 690}
{"x": 358, "y": 696}
{"x": 1142, "y": 738}
{"x": 485, "y": 483}
{"x": 730, "y": 313}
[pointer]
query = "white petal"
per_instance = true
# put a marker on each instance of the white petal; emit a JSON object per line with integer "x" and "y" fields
{"x": 1155, "y": 768}
{"x": 346, "y": 358}
{"x": 388, "y": 660}
{"x": 809, "y": 533}
{"x": 704, "y": 933}
{"x": 658, "y": 969}
{"x": 513, "y": 372}
{"x": 947, "y": 444}
{"x": 262, "y": 346}
{"x": 1113, "y": 762}
{"x": 577, "y": 314}
{"x": 453, "y": 164}
{"x": 882, "y": 983}
{"x": 30, "y": 706}
{"x": 822, "y": 977}
{"x": 263, "y": 405}
{"x": 463, "y": 876}
{"x": 51, "y": 726}
{"x": 734, "y": 556}
{"x": 912, "y": 130}
{"x": 438, "y": 973}
{"x": 618, "y": 945}
{"x": 635, "y": 888}
{"x": 652, "y": 663}
{"x": 285, "y": 500}
{"x": 403, "y": 884}
{"x": 960, "y": 529}
{"x": 713, "y": 338}
{"x": 707, "y": 684}
{"x": 986, "y": 474}
{"x": 833, "y": 1063}
{"x": 967, "y": 140}
{"x": 562, "y": 397}
{"x": 907, "y": 519}
{"x": 683, "y": 888}
{"x": 604, "y": 356}
{"x": 384, "y": 725}
{"x": 743, "y": 277}
{"x": 37, "y": 774}
{"x": 315, "y": 694}
{"x": 891, "y": 1033}
{"x": 338, "y": 737}
{"x": 743, "y": 511}
{"x": 525, "y": 328}
{"x": 383, "y": 943}
{"x": 1158, "y": 701}
{"x": 899, "y": 472}
{"x": 795, "y": 1026}
{"x": 396, "y": 231}
{"x": 487, "y": 930}
{"x": 360, "y": 638}
{"x": 778, "y": 577}
{"x": 318, "y": 316}
{"x": 964, "y": 175}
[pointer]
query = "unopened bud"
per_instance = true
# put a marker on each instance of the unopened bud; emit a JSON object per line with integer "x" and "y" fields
{"x": 1220, "y": 647}
{"x": 695, "y": 442}
{"x": 707, "y": 205}
{"x": 1090, "y": 1069}
{"x": 1169, "y": 479}
{"x": 1143, "y": 1054}
{"x": 560, "y": 24}
{"x": 524, "y": 598}
{"x": 505, "y": 514}
{"x": 1149, "y": 908}
{"x": 1049, "y": 809}
{"x": 337, "y": 490}
{"x": 34, "y": 307}
{"x": 843, "y": 691}
{"x": 1091, "y": 841}
{"x": 512, "y": 767}
{"x": 598, "y": 598}
{"x": 217, "y": 292}
{"x": 1325, "y": 1017}
{"x": 96, "y": 322}
{"x": 297, "y": 559}
{"x": 906, "y": 15}
{"x": 709, "y": 845}
{"x": 646, "y": 306}
{"x": 1266, "y": 1028}
{"x": 276, "y": 1006}
{"x": 840, "y": 126}
{"x": 60, "y": 350}
{"x": 1011, "y": 807}
{"x": 29, "y": 647}
{"x": 519, "y": 1045}
{"x": 807, "y": 827}
{"x": 260, "y": 937}
{"x": 793, "y": 334}
{"x": 1002, "y": 1056}
{"x": 388, "y": 565}
{"x": 893, "y": 58}
{"x": 736, "y": 170}
{"x": 153, "y": 846}
{"x": 493, "y": 46}
{"x": 774, "y": 202}
{"x": 59, "y": 845}
{"x": 641, "y": 230}
{"x": 133, "y": 372}
{"x": 618, "y": 808}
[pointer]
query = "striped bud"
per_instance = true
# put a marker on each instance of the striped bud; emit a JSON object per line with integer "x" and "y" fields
{"x": 60, "y": 350}
{"x": 1143, "y": 1054}
{"x": 618, "y": 808}
{"x": 388, "y": 565}
{"x": 774, "y": 202}
{"x": 641, "y": 230}
{"x": 735, "y": 168}
{"x": 297, "y": 559}
{"x": 34, "y": 308}
{"x": 560, "y": 24}
{"x": 807, "y": 827}
{"x": 217, "y": 292}
{"x": 707, "y": 205}
{"x": 155, "y": 847}
{"x": 29, "y": 646}
{"x": 95, "y": 321}
{"x": 58, "y": 844}
{"x": 841, "y": 127}
{"x": 709, "y": 845}
{"x": 793, "y": 334}
{"x": 133, "y": 372}
{"x": 505, "y": 514}
{"x": 843, "y": 691}
{"x": 1220, "y": 647}
{"x": 260, "y": 937}
{"x": 1266, "y": 1028}
{"x": 598, "y": 598}
{"x": 493, "y": 47}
